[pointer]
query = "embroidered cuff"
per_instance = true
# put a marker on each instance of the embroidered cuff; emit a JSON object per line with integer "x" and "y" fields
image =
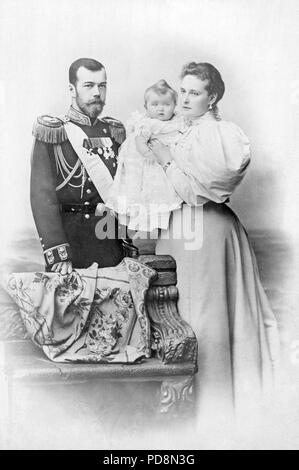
{"x": 57, "y": 254}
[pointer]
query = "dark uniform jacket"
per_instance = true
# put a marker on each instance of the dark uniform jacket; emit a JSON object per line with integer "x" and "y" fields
{"x": 64, "y": 207}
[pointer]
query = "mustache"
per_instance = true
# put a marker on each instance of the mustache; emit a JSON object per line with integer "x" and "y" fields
{"x": 96, "y": 101}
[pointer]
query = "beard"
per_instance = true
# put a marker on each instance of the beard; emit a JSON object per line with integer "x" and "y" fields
{"x": 92, "y": 108}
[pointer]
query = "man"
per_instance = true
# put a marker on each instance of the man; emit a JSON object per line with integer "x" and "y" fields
{"x": 73, "y": 163}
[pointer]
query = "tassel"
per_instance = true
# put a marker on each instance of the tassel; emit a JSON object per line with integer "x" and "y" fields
{"x": 50, "y": 130}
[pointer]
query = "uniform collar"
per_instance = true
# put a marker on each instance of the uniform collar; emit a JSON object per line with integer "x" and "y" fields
{"x": 209, "y": 115}
{"x": 80, "y": 118}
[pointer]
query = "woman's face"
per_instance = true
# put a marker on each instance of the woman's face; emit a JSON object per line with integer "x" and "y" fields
{"x": 194, "y": 96}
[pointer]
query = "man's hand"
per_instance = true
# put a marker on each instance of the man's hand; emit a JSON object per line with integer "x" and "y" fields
{"x": 63, "y": 268}
{"x": 161, "y": 152}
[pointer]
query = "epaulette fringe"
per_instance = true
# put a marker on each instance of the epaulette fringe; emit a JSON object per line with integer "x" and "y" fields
{"x": 117, "y": 129}
{"x": 50, "y": 130}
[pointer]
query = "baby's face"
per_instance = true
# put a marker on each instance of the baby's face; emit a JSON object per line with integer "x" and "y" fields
{"x": 160, "y": 106}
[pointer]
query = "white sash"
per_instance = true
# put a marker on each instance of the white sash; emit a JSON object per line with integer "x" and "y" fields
{"x": 93, "y": 164}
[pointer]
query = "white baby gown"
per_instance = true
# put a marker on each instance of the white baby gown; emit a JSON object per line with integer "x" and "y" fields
{"x": 141, "y": 194}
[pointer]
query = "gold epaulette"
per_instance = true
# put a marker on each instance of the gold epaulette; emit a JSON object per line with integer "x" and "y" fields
{"x": 50, "y": 129}
{"x": 117, "y": 129}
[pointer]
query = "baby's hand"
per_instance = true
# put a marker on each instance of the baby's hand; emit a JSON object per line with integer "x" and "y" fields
{"x": 143, "y": 147}
{"x": 152, "y": 142}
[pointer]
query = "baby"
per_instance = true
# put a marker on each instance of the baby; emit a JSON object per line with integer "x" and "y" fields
{"x": 141, "y": 193}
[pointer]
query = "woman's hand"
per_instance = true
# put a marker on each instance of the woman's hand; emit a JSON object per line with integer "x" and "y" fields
{"x": 161, "y": 152}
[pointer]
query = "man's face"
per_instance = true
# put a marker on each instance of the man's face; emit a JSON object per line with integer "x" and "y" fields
{"x": 89, "y": 93}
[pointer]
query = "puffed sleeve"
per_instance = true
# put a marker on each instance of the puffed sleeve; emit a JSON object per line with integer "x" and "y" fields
{"x": 210, "y": 162}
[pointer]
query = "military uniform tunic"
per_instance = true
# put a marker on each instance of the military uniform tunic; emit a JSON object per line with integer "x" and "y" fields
{"x": 63, "y": 196}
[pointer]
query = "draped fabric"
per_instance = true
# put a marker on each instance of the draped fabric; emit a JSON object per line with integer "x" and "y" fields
{"x": 94, "y": 315}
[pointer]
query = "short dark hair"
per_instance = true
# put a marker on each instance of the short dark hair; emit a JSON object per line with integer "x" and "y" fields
{"x": 161, "y": 88}
{"x": 205, "y": 71}
{"x": 90, "y": 64}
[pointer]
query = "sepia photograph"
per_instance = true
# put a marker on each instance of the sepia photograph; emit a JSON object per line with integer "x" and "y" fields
{"x": 149, "y": 275}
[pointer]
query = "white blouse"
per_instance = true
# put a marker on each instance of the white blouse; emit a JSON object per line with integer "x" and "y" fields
{"x": 209, "y": 160}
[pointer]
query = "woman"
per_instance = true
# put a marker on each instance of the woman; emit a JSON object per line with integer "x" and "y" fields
{"x": 220, "y": 293}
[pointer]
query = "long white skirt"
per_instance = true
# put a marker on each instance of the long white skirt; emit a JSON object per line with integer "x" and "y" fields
{"x": 221, "y": 297}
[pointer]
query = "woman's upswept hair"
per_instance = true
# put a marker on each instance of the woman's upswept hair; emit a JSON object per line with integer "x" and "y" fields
{"x": 205, "y": 71}
{"x": 161, "y": 88}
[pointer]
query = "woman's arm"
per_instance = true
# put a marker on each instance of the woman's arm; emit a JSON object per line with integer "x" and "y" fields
{"x": 181, "y": 182}
{"x": 211, "y": 166}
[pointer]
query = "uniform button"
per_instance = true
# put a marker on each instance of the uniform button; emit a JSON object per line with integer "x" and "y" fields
{"x": 88, "y": 191}
{"x": 87, "y": 216}
{"x": 86, "y": 203}
{"x": 89, "y": 179}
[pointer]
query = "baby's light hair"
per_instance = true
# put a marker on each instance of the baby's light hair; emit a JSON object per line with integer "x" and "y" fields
{"x": 161, "y": 88}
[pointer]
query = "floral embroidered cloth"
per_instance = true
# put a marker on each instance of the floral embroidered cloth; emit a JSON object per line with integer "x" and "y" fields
{"x": 93, "y": 315}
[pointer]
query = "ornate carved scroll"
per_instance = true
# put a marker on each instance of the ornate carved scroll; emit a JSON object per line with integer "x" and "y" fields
{"x": 177, "y": 396}
{"x": 172, "y": 337}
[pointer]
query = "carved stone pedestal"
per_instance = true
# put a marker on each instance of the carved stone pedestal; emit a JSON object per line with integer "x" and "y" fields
{"x": 173, "y": 338}
{"x": 177, "y": 396}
